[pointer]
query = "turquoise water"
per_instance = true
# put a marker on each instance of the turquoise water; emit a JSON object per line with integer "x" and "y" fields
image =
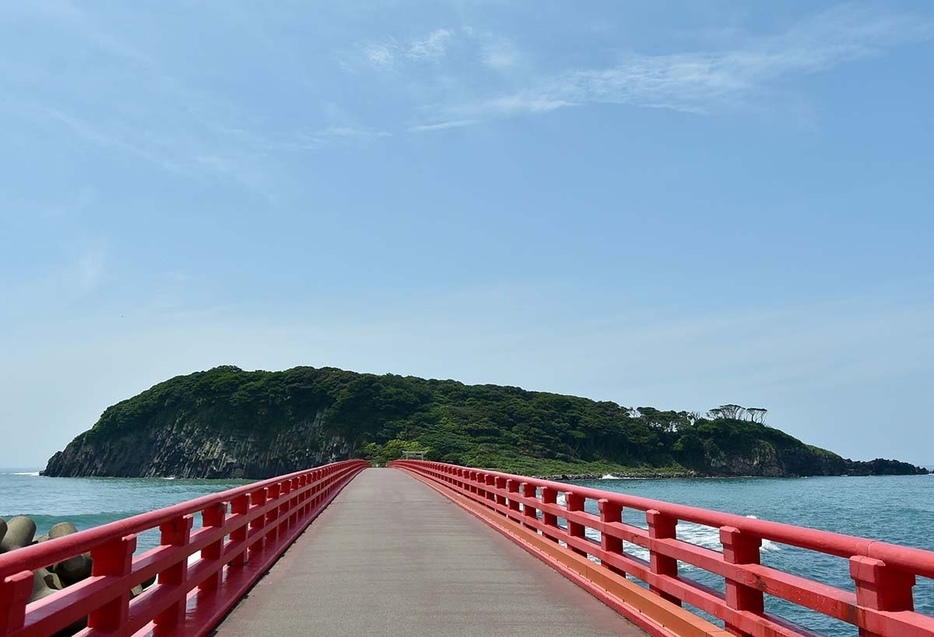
{"x": 89, "y": 502}
{"x": 897, "y": 509}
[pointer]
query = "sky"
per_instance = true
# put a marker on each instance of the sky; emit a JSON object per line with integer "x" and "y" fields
{"x": 668, "y": 204}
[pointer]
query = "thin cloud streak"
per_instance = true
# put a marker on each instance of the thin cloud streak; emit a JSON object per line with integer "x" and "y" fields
{"x": 702, "y": 82}
{"x": 457, "y": 123}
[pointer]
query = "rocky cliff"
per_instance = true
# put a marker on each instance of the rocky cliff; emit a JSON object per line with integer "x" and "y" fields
{"x": 190, "y": 449}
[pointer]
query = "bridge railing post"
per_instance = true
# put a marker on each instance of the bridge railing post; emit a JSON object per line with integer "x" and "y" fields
{"x": 512, "y": 486}
{"x": 112, "y": 558}
{"x": 529, "y": 512}
{"x": 741, "y": 548}
{"x": 240, "y": 505}
{"x": 549, "y": 520}
{"x": 15, "y": 591}
{"x": 500, "y": 483}
{"x": 272, "y": 514}
{"x": 881, "y": 587}
{"x": 213, "y": 517}
{"x": 661, "y": 527}
{"x": 574, "y": 502}
{"x": 610, "y": 513}
{"x": 257, "y": 499}
{"x": 177, "y": 532}
{"x": 490, "y": 482}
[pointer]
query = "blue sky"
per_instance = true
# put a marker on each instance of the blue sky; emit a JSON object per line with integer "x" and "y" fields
{"x": 659, "y": 203}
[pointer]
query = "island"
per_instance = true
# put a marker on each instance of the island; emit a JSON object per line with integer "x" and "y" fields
{"x": 231, "y": 423}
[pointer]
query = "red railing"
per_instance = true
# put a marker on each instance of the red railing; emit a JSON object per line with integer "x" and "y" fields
{"x": 201, "y": 573}
{"x": 881, "y": 603}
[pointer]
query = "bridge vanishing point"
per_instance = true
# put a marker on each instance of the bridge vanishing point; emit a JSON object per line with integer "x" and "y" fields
{"x": 425, "y": 548}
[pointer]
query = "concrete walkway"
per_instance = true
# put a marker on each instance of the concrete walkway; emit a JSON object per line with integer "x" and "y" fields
{"x": 390, "y": 557}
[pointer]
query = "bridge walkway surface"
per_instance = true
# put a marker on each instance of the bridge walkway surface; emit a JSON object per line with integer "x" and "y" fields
{"x": 390, "y": 556}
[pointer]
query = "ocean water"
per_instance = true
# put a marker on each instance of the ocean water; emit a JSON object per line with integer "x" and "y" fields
{"x": 896, "y": 509}
{"x": 89, "y": 502}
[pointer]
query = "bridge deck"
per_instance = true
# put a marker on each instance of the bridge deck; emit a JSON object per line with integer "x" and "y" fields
{"x": 392, "y": 557}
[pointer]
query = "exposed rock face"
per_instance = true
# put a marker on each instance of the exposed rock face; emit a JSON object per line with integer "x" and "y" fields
{"x": 765, "y": 460}
{"x": 190, "y": 448}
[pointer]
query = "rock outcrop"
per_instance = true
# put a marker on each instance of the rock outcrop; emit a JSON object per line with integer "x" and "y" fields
{"x": 192, "y": 448}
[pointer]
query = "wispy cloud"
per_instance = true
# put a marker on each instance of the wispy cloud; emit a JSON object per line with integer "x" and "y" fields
{"x": 458, "y": 123}
{"x": 389, "y": 53}
{"x": 433, "y": 46}
{"x": 381, "y": 55}
{"x": 705, "y": 81}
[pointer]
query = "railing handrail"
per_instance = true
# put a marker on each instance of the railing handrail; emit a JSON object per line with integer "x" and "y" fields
{"x": 56, "y": 550}
{"x": 838, "y": 544}
{"x": 202, "y": 572}
{"x": 883, "y": 573}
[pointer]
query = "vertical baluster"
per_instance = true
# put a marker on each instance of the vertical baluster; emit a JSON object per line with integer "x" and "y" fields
{"x": 257, "y": 500}
{"x": 512, "y": 486}
{"x": 239, "y": 505}
{"x": 881, "y": 587}
{"x": 662, "y": 527}
{"x": 500, "y": 483}
{"x": 212, "y": 517}
{"x": 272, "y": 513}
{"x": 176, "y": 532}
{"x": 529, "y": 512}
{"x": 490, "y": 481}
{"x": 305, "y": 480}
{"x": 741, "y": 548}
{"x": 549, "y": 520}
{"x": 15, "y": 591}
{"x": 285, "y": 505}
{"x": 113, "y": 558}
{"x": 611, "y": 512}
{"x": 575, "y": 502}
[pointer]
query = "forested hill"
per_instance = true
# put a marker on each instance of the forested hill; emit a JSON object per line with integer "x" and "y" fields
{"x": 227, "y": 422}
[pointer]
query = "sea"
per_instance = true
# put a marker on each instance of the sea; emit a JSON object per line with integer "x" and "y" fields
{"x": 896, "y": 509}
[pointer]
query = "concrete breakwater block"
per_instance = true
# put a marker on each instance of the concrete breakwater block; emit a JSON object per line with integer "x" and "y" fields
{"x": 42, "y": 586}
{"x": 19, "y": 533}
{"x": 76, "y": 568}
{"x": 2, "y": 529}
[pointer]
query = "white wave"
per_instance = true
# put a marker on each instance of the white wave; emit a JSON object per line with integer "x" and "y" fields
{"x": 24, "y": 473}
{"x": 610, "y": 476}
{"x": 767, "y": 545}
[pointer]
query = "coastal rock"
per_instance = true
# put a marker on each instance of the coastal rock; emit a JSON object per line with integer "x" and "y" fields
{"x": 191, "y": 447}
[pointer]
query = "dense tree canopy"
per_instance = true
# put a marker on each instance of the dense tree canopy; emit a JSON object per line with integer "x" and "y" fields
{"x": 494, "y": 426}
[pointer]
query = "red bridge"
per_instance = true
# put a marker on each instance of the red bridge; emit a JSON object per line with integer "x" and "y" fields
{"x": 432, "y": 549}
